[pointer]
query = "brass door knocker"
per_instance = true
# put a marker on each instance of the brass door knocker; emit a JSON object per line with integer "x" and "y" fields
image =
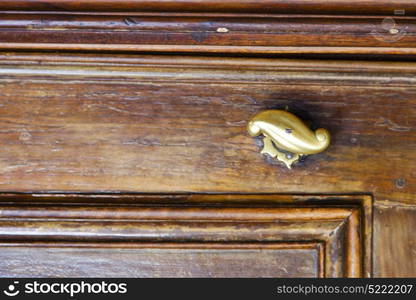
{"x": 286, "y": 137}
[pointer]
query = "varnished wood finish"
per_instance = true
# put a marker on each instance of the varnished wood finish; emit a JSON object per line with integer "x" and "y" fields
{"x": 215, "y": 34}
{"x": 336, "y": 233}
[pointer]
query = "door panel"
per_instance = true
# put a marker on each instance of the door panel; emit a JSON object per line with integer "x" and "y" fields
{"x": 161, "y": 260}
{"x": 186, "y": 235}
{"x": 394, "y": 240}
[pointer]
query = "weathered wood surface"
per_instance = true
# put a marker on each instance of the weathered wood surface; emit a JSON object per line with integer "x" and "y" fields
{"x": 197, "y": 235}
{"x": 169, "y": 124}
{"x": 155, "y": 124}
{"x": 394, "y": 240}
{"x": 384, "y": 7}
{"x": 129, "y": 260}
{"x": 160, "y": 124}
{"x": 273, "y": 34}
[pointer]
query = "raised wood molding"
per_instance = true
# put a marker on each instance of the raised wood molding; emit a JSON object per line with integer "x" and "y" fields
{"x": 164, "y": 32}
{"x": 337, "y": 227}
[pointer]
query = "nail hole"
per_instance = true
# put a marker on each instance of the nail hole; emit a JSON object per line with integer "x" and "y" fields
{"x": 400, "y": 183}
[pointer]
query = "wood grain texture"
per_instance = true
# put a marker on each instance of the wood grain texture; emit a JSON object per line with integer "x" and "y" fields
{"x": 83, "y": 134}
{"x": 276, "y": 6}
{"x": 206, "y": 34}
{"x": 336, "y": 234}
{"x": 160, "y": 260}
{"x": 163, "y": 125}
{"x": 394, "y": 240}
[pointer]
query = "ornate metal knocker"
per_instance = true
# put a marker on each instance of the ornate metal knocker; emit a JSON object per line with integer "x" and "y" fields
{"x": 286, "y": 137}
